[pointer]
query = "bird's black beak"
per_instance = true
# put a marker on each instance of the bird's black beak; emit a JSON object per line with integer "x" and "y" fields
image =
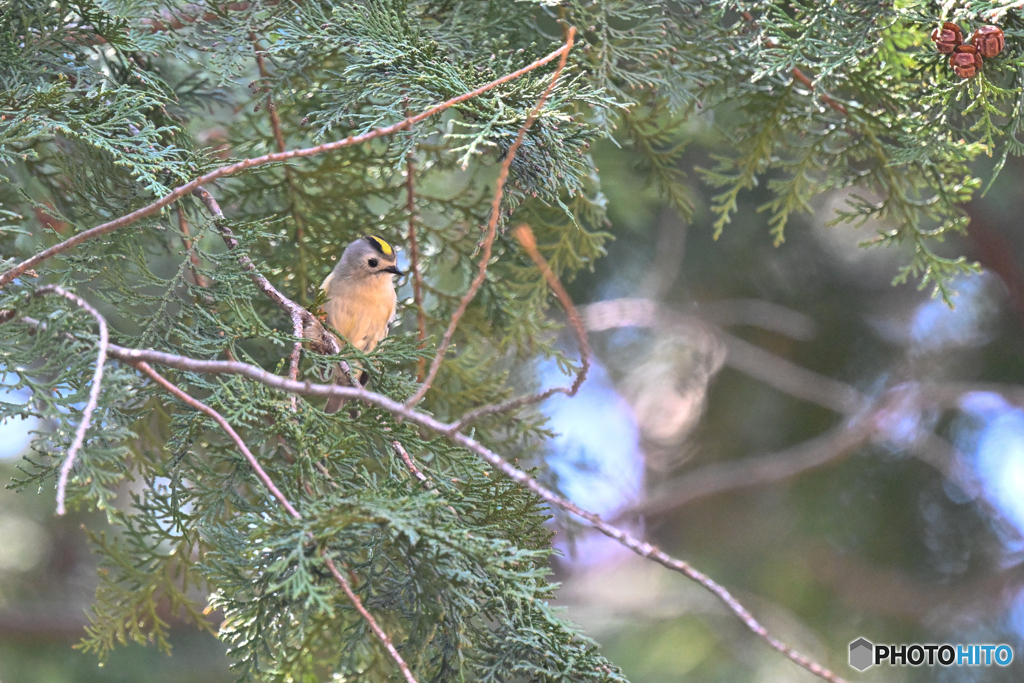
{"x": 391, "y": 269}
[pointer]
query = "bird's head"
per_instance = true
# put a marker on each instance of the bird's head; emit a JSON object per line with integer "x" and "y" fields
{"x": 369, "y": 256}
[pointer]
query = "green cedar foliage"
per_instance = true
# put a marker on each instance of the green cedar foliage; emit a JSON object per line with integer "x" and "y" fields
{"x": 107, "y": 104}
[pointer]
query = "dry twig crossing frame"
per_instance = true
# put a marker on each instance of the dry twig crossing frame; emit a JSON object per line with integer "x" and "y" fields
{"x": 492, "y": 227}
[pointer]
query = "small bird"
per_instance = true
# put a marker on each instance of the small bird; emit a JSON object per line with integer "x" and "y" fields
{"x": 360, "y": 296}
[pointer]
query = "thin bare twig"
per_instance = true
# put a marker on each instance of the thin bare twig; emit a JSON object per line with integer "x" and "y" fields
{"x": 800, "y": 75}
{"x": 9, "y": 275}
{"x": 409, "y": 462}
{"x": 377, "y": 630}
{"x": 492, "y": 224}
{"x": 193, "y": 258}
{"x": 258, "y": 279}
{"x": 261, "y": 474}
{"x": 524, "y": 234}
{"x": 275, "y": 120}
{"x": 300, "y": 316}
{"x": 276, "y": 492}
{"x": 414, "y": 262}
{"x": 94, "y": 390}
{"x": 293, "y": 191}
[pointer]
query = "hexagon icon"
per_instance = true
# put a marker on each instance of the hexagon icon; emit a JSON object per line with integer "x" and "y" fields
{"x": 861, "y": 654}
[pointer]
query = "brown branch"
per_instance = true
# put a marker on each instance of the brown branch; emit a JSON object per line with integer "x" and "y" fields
{"x": 409, "y": 462}
{"x": 492, "y": 224}
{"x": 258, "y": 279}
{"x": 524, "y": 234}
{"x": 301, "y": 318}
{"x": 293, "y": 191}
{"x": 800, "y": 75}
{"x": 94, "y": 390}
{"x": 261, "y": 474}
{"x": 377, "y": 630}
{"x": 265, "y": 478}
{"x": 199, "y": 278}
{"x": 414, "y": 262}
{"x": 275, "y": 120}
{"x": 8, "y": 276}
{"x": 173, "y": 21}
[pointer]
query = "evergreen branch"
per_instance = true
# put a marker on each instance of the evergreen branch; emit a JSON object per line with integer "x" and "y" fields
{"x": 524, "y": 234}
{"x": 94, "y": 390}
{"x": 299, "y": 316}
{"x": 268, "y": 482}
{"x": 414, "y": 261}
{"x": 228, "y": 429}
{"x": 193, "y": 257}
{"x": 374, "y": 626}
{"x": 492, "y": 225}
{"x": 9, "y": 275}
{"x": 642, "y": 548}
{"x": 800, "y": 75}
{"x": 171, "y": 21}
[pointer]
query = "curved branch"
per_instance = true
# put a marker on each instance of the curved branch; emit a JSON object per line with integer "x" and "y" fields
{"x": 261, "y": 474}
{"x": 276, "y": 492}
{"x": 94, "y": 390}
{"x": 741, "y": 355}
{"x": 758, "y": 470}
{"x": 374, "y": 626}
{"x": 414, "y": 262}
{"x": 524, "y": 234}
{"x": 492, "y": 225}
{"x": 8, "y": 276}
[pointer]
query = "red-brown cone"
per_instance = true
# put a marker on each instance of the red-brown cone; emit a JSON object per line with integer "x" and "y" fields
{"x": 947, "y": 38}
{"x": 965, "y": 61}
{"x": 989, "y": 41}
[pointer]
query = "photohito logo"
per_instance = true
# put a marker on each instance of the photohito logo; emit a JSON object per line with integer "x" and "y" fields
{"x": 865, "y": 654}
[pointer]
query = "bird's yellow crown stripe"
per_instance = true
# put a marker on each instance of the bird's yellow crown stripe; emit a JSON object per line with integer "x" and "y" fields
{"x": 384, "y": 246}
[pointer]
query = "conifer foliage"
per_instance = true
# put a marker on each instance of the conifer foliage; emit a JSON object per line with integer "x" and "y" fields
{"x": 374, "y": 543}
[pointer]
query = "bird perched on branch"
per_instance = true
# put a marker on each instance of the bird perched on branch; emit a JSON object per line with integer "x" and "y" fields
{"x": 360, "y": 297}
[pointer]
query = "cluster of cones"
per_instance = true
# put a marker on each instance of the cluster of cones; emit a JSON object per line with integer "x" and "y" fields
{"x": 966, "y": 58}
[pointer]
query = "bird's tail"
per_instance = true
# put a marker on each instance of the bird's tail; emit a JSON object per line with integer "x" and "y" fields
{"x": 335, "y": 403}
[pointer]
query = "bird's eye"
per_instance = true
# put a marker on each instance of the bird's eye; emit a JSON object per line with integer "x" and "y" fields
{"x": 372, "y": 263}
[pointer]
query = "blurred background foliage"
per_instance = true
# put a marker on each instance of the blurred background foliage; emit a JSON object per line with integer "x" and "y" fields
{"x": 912, "y": 532}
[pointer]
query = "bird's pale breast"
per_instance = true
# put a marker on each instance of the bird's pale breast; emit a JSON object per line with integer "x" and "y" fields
{"x": 361, "y": 311}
